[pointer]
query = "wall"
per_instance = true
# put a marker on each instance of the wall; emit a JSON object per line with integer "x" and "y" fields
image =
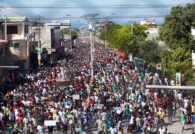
{"x": 45, "y": 36}
{"x": 18, "y": 53}
{"x": 152, "y": 33}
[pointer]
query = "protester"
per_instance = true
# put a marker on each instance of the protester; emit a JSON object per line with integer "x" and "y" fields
{"x": 66, "y": 93}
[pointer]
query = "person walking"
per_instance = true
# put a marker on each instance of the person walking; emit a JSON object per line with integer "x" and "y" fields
{"x": 40, "y": 129}
{"x": 57, "y": 119}
{"x": 183, "y": 119}
{"x": 193, "y": 122}
{"x": 170, "y": 113}
{"x": 99, "y": 126}
{"x": 65, "y": 122}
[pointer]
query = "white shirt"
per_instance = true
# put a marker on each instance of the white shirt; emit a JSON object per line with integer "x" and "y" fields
{"x": 103, "y": 115}
{"x": 1, "y": 116}
{"x": 186, "y": 102}
{"x": 138, "y": 121}
{"x": 57, "y": 118}
{"x": 118, "y": 111}
{"x": 131, "y": 120}
{"x": 40, "y": 129}
{"x": 34, "y": 121}
{"x": 16, "y": 113}
{"x": 179, "y": 96}
{"x": 112, "y": 130}
{"x": 161, "y": 130}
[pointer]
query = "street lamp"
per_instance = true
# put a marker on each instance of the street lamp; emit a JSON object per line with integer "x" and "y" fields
{"x": 70, "y": 42}
{"x": 91, "y": 17}
{"x": 91, "y": 47}
{"x": 39, "y": 49}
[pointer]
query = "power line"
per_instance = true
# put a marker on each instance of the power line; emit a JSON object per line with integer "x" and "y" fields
{"x": 114, "y": 17}
{"x": 95, "y": 6}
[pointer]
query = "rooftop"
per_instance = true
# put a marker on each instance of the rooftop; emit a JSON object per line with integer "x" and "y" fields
{"x": 17, "y": 19}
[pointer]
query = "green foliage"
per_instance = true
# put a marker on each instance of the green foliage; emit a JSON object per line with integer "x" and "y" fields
{"x": 176, "y": 31}
{"x": 178, "y": 60}
{"x": 73, "y": 32}
{"x": 149, "y": 51}
{"x": 132, "y": 39}
{"x": 124, "y": 37}
{"x": 191, "y": 82}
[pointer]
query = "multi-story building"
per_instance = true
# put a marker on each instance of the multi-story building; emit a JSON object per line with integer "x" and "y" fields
{"x": 3, "y": 45}
{"x": 15, "y": 30}
{"x": 49, "y": 36}
{"x": 153, "y": 31}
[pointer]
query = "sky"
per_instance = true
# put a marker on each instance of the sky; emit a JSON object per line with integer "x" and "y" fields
{"x": 8, "y": 9}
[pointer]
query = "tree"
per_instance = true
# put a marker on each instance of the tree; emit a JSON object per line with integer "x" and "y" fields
{"x": 178, "y": 60}
{"x": 149, "y": 51}
{"x": 176, "y": 31}
{"x": 73, "y": 32}
{"x": 110, "y": 34}
{"x": 124, "y": 37}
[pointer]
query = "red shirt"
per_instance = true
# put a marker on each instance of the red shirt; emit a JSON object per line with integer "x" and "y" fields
{"x": 20, "y": 115}
{"x": 14, "y": 105}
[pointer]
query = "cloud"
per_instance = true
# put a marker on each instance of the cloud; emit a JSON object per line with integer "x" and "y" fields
{"x": 8, "y": 11}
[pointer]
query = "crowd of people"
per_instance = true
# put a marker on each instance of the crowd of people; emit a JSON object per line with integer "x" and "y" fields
{"x": 113, "y": 100}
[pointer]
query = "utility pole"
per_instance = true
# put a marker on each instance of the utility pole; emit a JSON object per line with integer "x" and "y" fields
{"x": 91, "y": 47}
{"x": 39, "y": 43}
{"x": 5, "y": 28}
{"x": 70, "y": 38}
{"x": 27, "y": 52}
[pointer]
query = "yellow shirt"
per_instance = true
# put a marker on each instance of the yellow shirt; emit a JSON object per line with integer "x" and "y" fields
{"x": 97, "y": 90}
{"x": 7, "y": 111}
{"x": 193, "y": 109}
{"x": 161, "y": 114}
{"x": 120, "y": 132}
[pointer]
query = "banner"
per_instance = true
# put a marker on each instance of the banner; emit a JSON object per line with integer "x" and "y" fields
{"x": 50, "y": 123}
{"x": 122, "y": 55}
{"x": 75, "y": 97}
{"x": 178, "y": 79}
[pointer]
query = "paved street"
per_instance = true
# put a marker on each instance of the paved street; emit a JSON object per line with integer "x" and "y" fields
{"x": 175, "y": 128}
{"x": 102, "y": 66}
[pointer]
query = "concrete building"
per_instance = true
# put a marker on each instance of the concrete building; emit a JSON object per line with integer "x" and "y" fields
{"x": 3, "y": 42}
{"x": 102, "y": 25}
{"x": 17, "y": 34}
{"x": 153, "y": 31}
{"x": 49, "y": 36}
{"x": 150, "y": 22}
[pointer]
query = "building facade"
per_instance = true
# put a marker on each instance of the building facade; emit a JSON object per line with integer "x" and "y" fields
{"x": 15, "y": 30}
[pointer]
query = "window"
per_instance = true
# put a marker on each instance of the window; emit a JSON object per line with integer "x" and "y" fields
{"x": 1, "y": 51}
{"x": 16, "y": 44}
{"x": 12, "y": 29}
{"x": 26, "y": 28}
{"x": 52, "y": 38}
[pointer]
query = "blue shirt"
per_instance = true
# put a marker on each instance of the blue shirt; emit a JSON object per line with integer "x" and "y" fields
{"x": 193, "y": 118}
{"x": 109, "y": 123}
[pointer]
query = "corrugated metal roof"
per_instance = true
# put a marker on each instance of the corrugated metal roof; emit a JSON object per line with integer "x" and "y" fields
{"x": 17, "y": 19}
